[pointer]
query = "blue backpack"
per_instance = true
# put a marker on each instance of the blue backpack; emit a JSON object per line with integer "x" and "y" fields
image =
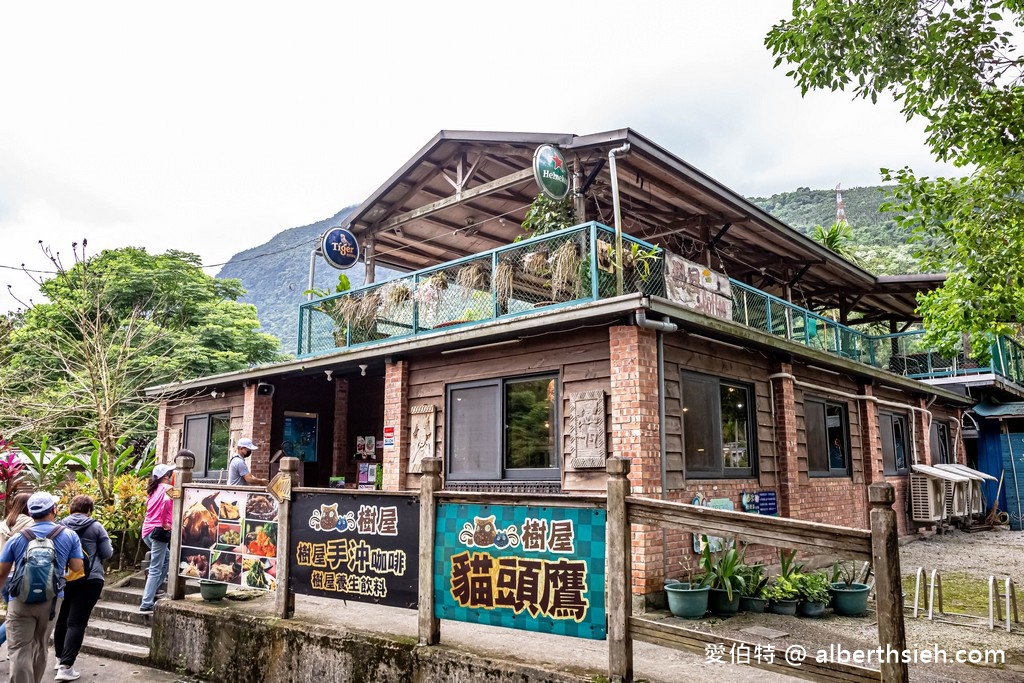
{"x": 36, "y": 577}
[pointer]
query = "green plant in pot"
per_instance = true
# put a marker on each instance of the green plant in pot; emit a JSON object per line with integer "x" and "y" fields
{"x": 849, "y": 598}
{"x": 783, "y": 592}
{"x": 724, "y": 572}
{"x": 814, "y": 591}
{"x": 687, "y": 598}
{"x": 755, "y": 584}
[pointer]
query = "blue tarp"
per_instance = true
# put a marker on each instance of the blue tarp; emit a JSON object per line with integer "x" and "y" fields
{"x": 1013, "y": 477}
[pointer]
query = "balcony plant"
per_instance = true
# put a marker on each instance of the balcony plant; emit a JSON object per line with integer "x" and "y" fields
{"x": 724, "y": 572}
{"x": 814, "y": 594}
{"x": 688, "y": 598}
{"x": 474, "y": 276}
{"x": 849, "y": 598}
{"x": 565, "y": 265}
{"x": 504, "y": 277}
{"x": 755, "y": 580}
{"x": 548, "y": 215}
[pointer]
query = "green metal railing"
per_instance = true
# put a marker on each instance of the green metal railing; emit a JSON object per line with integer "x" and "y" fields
{"x": 563, "y": 268}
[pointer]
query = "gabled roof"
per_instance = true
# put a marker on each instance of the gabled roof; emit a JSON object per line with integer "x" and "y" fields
{"x": 468, "y": 191}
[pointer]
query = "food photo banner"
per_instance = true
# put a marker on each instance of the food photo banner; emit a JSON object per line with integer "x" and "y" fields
{"x": 524, "y": 567}
{"x": 356, "y": 547}
{"x": 229, "y": 537}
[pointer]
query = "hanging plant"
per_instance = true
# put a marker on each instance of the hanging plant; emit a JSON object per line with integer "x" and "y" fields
{"x": 548, "y": 215}
{"x": 565, "y": 264}
{"x": 474, "y": 276}
{"x": 503, "y": 280}
{"x": 536, "y": 263}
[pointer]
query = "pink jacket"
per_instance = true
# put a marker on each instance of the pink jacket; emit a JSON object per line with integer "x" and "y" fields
{"x": 159, "y": 508}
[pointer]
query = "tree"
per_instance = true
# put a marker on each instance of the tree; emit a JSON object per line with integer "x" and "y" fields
{"x": 76, "y": 367}
{"x": 838, "y": 238}
{"x": 952, "y": 63}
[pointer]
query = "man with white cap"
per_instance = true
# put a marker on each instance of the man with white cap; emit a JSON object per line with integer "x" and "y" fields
{"x": 238, "y": 471}
{"x": 28, "y": 623}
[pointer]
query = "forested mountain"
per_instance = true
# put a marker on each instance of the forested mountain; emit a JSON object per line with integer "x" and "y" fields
{"x": 276, "y": 274}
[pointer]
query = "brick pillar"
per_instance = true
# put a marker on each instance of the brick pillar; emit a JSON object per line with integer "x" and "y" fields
{"x": 162, "y": 435}
{"x": 635, "y": 435}
{"x": 257, "y": 417}
{"x": 922, "y": 434}
{"x": 957, "y": 434}
{"x": 785, "y": 442}
{"x": 339, "y": 447}
{"x": 870, "y": 448}
{"x": 396, "y": 414}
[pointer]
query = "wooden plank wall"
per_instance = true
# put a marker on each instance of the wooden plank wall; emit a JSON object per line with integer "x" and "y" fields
{"x": 581, "y": 358}
{"x": 232, "y": 402}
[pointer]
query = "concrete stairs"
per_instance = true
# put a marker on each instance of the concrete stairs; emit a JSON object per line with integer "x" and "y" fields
{"x": 116, "y": 629}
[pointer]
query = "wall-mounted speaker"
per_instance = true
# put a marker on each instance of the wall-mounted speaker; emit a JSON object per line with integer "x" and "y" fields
{"x": 265, "y": 389}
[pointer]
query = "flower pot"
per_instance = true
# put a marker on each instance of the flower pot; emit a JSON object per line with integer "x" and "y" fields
{"x": 686, "y": 602}
{"x": 813, "y": 610}
{"x": 212, "y": 591}
{"x": 719, "y": 602}
{"x": 782, "y": 607}
{"x": 852, "y": 601}
{"x": 753, "y": 604}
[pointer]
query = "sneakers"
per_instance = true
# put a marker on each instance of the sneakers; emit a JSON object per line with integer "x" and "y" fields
{"x": 145, "y": 610}
{"x": 67, "y": 673}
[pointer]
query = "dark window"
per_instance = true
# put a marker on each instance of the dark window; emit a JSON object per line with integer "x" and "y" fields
{"x": 208, "y": 436}
{"x": 719, "y": 427}
{"x": 503, "y": 429}
{"x": 892, "y": 429}
{"x": 940, "y": 443}
{"x": 828, "y": 443}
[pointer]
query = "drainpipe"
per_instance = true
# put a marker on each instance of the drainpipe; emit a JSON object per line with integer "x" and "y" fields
{"x": 618, "y": 215}
{"x": 312, "y": 268}
{"x": 659, "y": 325}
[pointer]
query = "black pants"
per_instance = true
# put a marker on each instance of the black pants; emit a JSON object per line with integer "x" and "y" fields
{"x": 79, "y": 599}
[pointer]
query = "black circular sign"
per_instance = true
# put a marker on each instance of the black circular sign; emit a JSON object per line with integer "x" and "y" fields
{"x": 340, "y": 248}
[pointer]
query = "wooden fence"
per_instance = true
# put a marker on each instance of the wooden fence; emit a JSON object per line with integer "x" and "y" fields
{"x": 623, "y": 510}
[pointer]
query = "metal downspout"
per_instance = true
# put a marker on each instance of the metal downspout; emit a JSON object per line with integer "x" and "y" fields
{"x": 618, "y": 215}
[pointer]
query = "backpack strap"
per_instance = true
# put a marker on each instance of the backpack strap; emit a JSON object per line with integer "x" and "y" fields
{"x": 55, "y": 532}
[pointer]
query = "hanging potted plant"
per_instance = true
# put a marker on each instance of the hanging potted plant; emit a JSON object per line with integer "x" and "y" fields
{"x": 474, "y": 276}
{"x": 503, "y": 284}
{"x": 565, "y": 265}
{"x": 396, "y": 294}
{"x": 849, "y": 598}
{"x": 814, "y": 594}
{"x": 687, "y": 599}
{"x": 429, "y": 290}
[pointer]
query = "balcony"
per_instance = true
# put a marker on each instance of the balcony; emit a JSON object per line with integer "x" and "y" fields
{"x": 560, "y": 269}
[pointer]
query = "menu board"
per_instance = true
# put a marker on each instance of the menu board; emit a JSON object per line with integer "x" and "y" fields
{"x": 361, "y": 547}
{"x": 229, "y": 537}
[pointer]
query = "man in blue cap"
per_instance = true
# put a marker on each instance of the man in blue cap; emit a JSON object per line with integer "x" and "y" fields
{"x": 28, "y": 623}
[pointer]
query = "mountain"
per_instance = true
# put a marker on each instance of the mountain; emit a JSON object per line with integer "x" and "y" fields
{"x": 275, "y": 274}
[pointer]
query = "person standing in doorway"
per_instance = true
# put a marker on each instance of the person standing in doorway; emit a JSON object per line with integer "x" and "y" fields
{"x": 81, "y": 594}
{"x": 156, "y": 531}
{"x": 28, "y": 622}
{"x": 238, "y": 471}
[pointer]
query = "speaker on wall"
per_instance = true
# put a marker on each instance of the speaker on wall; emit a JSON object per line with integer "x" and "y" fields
{"x": 265, "y": 389}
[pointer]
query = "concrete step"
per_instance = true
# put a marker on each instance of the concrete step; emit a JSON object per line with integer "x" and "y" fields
{"x": 128, "y": 595}
{"x": 121, "y": 612}
{"x": 120, "y": 632}
{"x": 110, "y": 649}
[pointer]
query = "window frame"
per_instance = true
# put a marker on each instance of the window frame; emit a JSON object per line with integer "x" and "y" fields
{"x": 888, "y": 438}
{"x": 500, "y": 439}
{"x": 721, "y": 472}
{"x": 844, "y": 414}
{"x": 938, "y": 435}
{"x": 202, "y": 466}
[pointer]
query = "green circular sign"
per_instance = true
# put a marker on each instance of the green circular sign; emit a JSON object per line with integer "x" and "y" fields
{"x": 551, "y": 172}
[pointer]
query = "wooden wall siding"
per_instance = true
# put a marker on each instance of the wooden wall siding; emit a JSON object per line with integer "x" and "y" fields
{"x": 685, "y": 353}
{"x": 176, "y": 413}
{"x": 581, "y": 358}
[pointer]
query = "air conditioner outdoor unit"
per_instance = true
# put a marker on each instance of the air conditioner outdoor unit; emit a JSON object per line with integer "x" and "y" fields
{"x": 956, "y": 499}
{"x": 927, "y": 498}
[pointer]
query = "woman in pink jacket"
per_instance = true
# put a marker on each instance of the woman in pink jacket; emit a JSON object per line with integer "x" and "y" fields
{"x": 156, "y": 532}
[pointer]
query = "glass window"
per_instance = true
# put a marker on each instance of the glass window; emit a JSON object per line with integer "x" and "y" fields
{"x": 892, "y": 430}
{"x": 940, "y": 443}
{"x": 209, "y": 436}
{"x": 718, "y": 427}
{"x": 503, "y": 429}
{"x": 827, "y": 428}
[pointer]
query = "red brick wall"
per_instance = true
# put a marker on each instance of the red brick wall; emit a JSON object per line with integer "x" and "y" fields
{"x": 786, "y": 443}
{"x": 256, "y": 421}
{"x": 396, "y": 411}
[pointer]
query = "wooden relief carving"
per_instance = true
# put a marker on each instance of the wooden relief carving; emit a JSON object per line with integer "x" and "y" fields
{"x": 587, "y": 438}
{"x": 421, "y": 436}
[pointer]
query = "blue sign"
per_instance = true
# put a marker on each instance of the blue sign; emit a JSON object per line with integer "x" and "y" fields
{"x": 340, "y": 248}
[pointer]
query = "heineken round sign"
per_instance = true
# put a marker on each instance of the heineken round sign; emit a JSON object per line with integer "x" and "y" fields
{"x": 551, "y": 172}
{"x": 340, "y": 248}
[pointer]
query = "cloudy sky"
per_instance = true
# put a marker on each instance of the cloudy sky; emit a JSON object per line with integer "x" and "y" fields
{"x": 210, "y": 127}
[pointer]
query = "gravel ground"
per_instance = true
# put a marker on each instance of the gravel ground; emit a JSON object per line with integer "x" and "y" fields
{"x": 982, "y": 554}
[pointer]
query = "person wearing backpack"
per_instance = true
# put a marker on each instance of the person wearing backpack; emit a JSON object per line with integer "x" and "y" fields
{"x": 39, "y": 557}
{"x": 82, "y": 591}
{"x": 17, "y": 520}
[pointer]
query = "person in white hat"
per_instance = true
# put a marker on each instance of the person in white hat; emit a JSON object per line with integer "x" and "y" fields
{"x": 238, "y": 471}
{"x": 156, "y": 531}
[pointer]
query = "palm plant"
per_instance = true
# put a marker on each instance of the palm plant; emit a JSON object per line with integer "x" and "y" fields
{"x": 724, "y": 570}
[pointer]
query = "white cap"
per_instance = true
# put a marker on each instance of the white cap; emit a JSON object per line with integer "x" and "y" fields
{"x": 247, "y": 443}
{"x": 162, "y": 470}
{"x": 41, "y": 502}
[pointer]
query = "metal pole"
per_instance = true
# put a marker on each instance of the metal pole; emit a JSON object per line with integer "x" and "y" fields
{"x": 618, "y": 215}
{"x": 312, "y": 269}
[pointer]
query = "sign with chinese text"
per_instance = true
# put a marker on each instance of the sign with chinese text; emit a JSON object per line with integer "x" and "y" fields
{"x": 230, "y": 537}
{"x": 587, "y": 436}
{"x": 340, "y": 248}
{"x": 697, "y": 287}
{"x": 356, "y": 547}
{"x": 550, "y": 172}
{"x": 524, "y": 567}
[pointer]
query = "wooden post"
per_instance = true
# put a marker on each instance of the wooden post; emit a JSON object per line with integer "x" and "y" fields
{"x": 285, "y": 603}
{"x": 429, "y": 625}
{"x": 619, "y": 573}
{"x": 885, "y": 555}
{"x": 183, "y": 465}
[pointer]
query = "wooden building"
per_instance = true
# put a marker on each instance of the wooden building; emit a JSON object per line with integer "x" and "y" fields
{"x": 740, "y": 364}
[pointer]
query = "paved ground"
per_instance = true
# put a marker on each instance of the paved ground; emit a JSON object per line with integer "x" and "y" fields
{"x": 106, "y": 670}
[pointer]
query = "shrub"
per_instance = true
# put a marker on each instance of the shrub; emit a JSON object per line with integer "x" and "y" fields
{"x": 122, "y": 515}
{"x": 814, "y": 587}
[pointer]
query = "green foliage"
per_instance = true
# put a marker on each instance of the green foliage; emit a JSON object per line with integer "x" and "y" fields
{"x": 104, "y": 471}
{"x": 45, "y": 471}
{"x": 788, "y": 566}
{"x": 755, "y": 580}
{"x": 121, "y": 514}
{"x": 805, "y": 208}
{"x": 844, "y": 571}
{"x": 723, "y": 570}
{"x": 836, "y": 238}
{"x": 954, "y": 65}
{"x": 548, "y": 215}
{"x": 782, "y": 588}
{"x": 813, "y": 587}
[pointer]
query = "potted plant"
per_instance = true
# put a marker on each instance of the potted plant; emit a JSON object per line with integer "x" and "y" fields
{"x": 783, "y": 592}
{"x": 474, "y": 276}
{"x": 724, "y": 572}
{"x": 565, "y": 264}
{"x": 755, "y": 583}
{"x": 503, "y": 284}
{"x": 687, "y": 599}
{"x": 814, "y": 594}
{"x": 212, "y": 591}
{"x": 396, "y": 294}
{"x": 849, "y": 598}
